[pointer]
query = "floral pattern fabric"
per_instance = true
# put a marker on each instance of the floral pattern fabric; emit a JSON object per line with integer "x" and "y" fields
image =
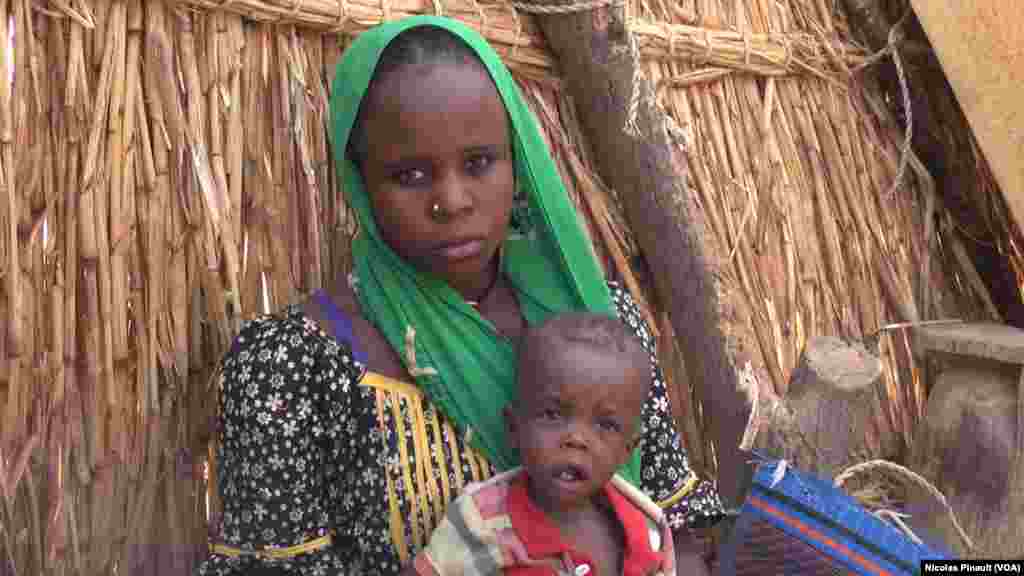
{"x": 307, "y": 449}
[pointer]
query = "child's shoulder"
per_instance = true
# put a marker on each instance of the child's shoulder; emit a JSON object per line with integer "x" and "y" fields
{"x": 637, "y": 499}
{"x": 490, "y": 496}
{"x": 648, "y": 518}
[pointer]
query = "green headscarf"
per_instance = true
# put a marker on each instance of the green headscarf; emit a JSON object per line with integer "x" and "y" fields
{"x": 548, "y": 261}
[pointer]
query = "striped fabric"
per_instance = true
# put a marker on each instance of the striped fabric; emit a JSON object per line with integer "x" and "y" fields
{"x": 488, "y": 530}
{"x": 424, "y": 476}
{"x": 800, "y": 525}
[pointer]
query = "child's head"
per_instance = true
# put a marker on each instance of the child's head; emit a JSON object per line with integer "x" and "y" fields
{"x": 583, "y": 381}
{"x": 433, "y": 143}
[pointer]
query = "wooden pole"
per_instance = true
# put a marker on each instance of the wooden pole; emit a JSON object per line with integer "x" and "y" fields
{"x": 982, "y": 59}
{"x": 672, "y": 230}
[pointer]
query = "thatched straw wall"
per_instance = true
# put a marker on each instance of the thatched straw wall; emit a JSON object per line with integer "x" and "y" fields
{"x": 165, "y": 174}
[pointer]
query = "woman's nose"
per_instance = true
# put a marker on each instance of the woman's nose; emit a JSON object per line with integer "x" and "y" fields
{"x": 453, "y": 195}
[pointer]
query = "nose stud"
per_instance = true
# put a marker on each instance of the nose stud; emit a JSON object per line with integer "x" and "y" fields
{"x": 435, "y": 211}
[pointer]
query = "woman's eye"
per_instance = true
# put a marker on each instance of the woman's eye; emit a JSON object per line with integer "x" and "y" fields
{"x": 410, "y": 177}
{"x": 551, "y": 414}
{"x": 478, "y": 164}
{"x": 609, "y": 425}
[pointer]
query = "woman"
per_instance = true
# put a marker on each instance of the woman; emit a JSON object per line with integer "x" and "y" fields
{"x": 349, "y": 422}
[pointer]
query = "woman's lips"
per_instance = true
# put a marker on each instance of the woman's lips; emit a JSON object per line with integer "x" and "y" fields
{"x": 462, "y": 250}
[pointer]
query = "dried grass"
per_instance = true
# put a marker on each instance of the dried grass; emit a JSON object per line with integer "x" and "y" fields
{"x": 166, "y": 175}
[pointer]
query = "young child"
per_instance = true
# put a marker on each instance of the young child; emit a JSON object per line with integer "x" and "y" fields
{"x": 583, "y": 379}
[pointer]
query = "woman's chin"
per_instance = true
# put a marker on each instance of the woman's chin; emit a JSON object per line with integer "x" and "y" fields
{"x": 468, "y": 275}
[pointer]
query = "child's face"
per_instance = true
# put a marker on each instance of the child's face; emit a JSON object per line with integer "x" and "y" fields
{"x": 576, "y": 421}
{"x": 439, "y": 134}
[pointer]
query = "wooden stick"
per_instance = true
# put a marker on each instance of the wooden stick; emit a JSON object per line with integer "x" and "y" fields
{"x": 219, "y": 233}
{"x": 108, "y": 508}
{"x": 282, "y": 277}
{"x": 307, "y": 215}
{"x": 72, "y": 272}
{"x": 92, "y": 179}
{"x": 115, "y": 305}
{"x": 231, "y": 66}
{"x": 57, "y": 420}
{"x": 12, "y": 280}
{"x": 286, "y": 169}
{"x": 255, "y": 216}
{"x": 211, "y": 180}
{"x": 95, "y": 257}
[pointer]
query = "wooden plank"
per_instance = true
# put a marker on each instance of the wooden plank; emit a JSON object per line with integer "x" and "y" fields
{"x": 981, "y": 47}
{"x": 990, "y": 341}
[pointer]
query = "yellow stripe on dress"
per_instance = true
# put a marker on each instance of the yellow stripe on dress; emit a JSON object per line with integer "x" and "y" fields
{"x": 453, "y": 447}
{"x": 424, "y": 477}
{"x": 431, "y": 480}
{"x": 485, "y": 467}
{"x": 407, "y": 472}
{"x": 683, "y": 492}
{"x": 275, "y": 553}
{"x": 474, "y": 468}
{"x": 446, "y": 489}
{"x": 394, "y": 510}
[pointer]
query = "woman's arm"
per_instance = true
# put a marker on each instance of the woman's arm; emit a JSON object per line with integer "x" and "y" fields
{"x": 282, "y": 397}
{"x": 688, "y": 501}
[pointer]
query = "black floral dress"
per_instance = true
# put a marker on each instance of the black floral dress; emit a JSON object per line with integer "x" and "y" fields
{"x": 312, "y": 444}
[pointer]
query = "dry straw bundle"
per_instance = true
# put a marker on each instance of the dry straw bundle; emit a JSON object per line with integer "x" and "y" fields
{"x": 166, "y": 174}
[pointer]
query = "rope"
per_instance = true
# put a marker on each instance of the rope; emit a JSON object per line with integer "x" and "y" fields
{"x": 631, "y": 127}
{"x": 905, "y": 149}
{"x": 914, "y": 477}
{"x": 582, "y": 6}
{"x": 787, "y": 47}
{"x": 342, "y": 14}
{"x": 483, "y": 18}
{"x": 901, "y": 76}
{"x": 748, "y": 384}
{"x": 746, "y": 47}
{"x": 897, "y": 518}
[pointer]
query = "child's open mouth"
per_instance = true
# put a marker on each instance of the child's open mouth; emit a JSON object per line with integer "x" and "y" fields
{"x": 571, "y": 474}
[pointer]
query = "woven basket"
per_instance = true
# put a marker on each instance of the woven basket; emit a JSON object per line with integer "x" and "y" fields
{"x": 793, "y": 523}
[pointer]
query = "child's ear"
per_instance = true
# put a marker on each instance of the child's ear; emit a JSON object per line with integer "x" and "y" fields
{"x": 511, "y": 427}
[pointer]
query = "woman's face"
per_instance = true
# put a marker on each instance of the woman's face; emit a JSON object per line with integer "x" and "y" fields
{"x": 437, "y": 136}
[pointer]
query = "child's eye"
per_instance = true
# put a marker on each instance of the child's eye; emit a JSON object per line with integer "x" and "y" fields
{"x": 478, "y": 163}
{"x": 410, "y": 177}
{"x": 609, "y": 425}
